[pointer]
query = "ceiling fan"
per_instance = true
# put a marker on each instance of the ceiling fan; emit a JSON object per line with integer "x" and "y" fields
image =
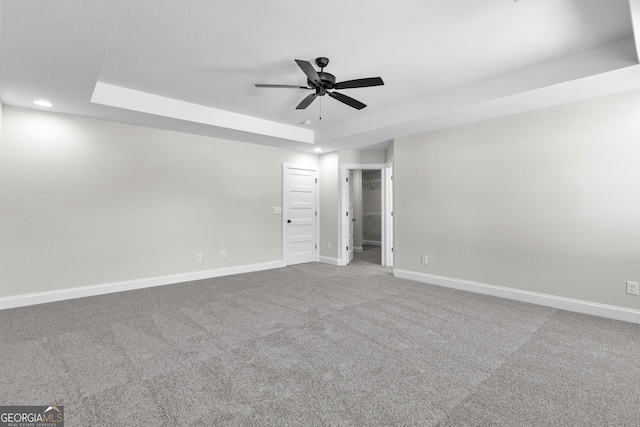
{"x": 322, "y": 83}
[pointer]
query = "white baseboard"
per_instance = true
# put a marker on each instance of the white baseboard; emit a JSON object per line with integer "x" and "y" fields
{"x": 108, "y": 288}
{"x": 372, "y": 242}
{"x": 331, "y": 261}
{"x": 358, "y": 249}
{"x": 579, "y": 306}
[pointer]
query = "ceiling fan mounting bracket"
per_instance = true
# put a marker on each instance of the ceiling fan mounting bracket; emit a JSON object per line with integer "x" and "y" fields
{"x": 322, "y": 62}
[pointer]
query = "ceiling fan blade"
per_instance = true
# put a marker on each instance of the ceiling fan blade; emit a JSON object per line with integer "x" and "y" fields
{"x": 350, "y": 84}
{"x": 283, "y": 86}
{"x": 347, "y": 100}
{"x": 311, "y": 72}
{"x": 306, "y": 101}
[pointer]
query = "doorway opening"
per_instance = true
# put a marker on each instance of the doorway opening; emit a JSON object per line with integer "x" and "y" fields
{"x": 367, "y": 226}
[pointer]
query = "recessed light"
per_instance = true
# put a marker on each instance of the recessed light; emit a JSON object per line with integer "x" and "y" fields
{"x": 317, "y": 150}
{"x": 43, "y": 103}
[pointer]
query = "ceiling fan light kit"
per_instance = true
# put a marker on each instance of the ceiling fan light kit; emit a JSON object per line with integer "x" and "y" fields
{"x": 322, "y": 83}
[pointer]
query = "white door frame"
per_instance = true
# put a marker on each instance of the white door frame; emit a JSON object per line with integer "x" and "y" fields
{"x": 386, "y": 243}
{"x": 349, "y": 214}
{"x": 387, "y": 213}
{"x": 316, "y": 169}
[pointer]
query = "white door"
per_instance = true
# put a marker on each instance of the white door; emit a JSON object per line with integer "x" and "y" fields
{"x": 350, "y": 218}
{"x": 300, "y": 216}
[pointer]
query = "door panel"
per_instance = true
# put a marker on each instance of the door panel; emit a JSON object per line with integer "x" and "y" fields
{"x": 300, "y": 216}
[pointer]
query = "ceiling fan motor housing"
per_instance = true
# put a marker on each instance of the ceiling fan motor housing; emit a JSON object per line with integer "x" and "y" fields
{"x": 328, "y": 80}
{"x": 322, "y": 62}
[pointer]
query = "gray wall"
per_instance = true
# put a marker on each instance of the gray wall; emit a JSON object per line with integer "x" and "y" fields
{"x": 1, "y": 109}
{"x": 363, "y": 156}
{"x": 547, "y": 201}
{"x": 389, "y": 152}
{"x": 86, "y": 202}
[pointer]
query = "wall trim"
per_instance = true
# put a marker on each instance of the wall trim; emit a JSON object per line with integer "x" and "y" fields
{"x": 328, "y": 260}
{"x": 579, "y": 306}
{"x": 128, "y": 285}
{"x": 372, "y": 242}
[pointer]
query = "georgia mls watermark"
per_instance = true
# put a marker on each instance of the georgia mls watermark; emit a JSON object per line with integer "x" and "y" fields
{"x": 31, "y": 416}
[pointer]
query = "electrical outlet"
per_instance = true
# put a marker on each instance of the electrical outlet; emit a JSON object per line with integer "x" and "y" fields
{"x": 199, "y": 257}
{"x": 425, "y": 260}
{"x": 329, "y": 245}
{"x": 223, "y": 254}
{"x": 632, "y": 288}
{"x": 277, "y": 210}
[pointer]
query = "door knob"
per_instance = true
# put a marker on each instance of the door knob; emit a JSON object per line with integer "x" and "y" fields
{"x": 288, "y": 221}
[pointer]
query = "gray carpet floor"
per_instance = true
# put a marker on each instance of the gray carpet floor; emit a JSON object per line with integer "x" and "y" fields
{"x": 314, "y": 345}
{"x": 370, "y": 254}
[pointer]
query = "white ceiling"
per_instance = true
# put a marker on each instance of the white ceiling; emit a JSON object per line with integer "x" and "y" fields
{"x": 191, "y": 66}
